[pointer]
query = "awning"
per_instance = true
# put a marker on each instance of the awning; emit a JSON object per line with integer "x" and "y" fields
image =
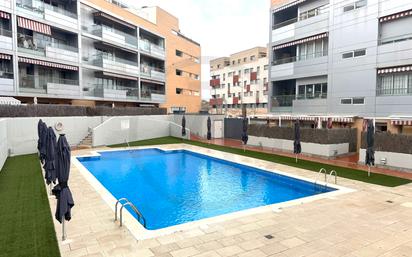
{"x": 395, "y": 69}
{"x": 402, "y": 122}
{"x": 152, "y": 81}
{"x": 48, "y": 64}
{"x": 114, "y": 19}
{"x": 5, "y": 57}
{"x": 339, "y": 119}
{"x": 4, "y": 15}
{"x": 396, "y": 16}
{"x": 9, "y": 101}
{"x": 34, "y": 25}
{"x": 111, "y": 74}
{"x": 301, "y": 41}
{"x": 316, "y": 118}
{"x": 288, "y": 5}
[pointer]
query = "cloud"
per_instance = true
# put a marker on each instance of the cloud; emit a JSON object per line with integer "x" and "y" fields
{"x": 222, "y": 27}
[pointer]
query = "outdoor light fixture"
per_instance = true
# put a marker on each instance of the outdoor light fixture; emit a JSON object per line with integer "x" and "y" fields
{"x": 383, "y": 161}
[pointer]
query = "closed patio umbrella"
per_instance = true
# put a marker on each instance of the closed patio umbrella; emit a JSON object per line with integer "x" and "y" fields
{"x": 370, "y": 141}
{"x": 297, "y": 148}
{"x": 50, "y": 158}
{"x": 183, "y": 126}
{"x": 209, "y": 128}
{"x": 62, "y": 191}
{"x": 245, "y": 137}
{"x": 41, "y": 142}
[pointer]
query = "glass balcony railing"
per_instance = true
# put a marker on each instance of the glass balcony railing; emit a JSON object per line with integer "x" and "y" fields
{"x": 402, "y": 91}
{"x": 5, "y": 32}
{"x": 152, "y": 72}
{"x": 283, "y": 100}
{"x": 303, "y": 16}
{"x": 392, "y": 40}
{"x": 6, "y": 75}
{"x": 39, "y": 7}
{"x": 112, "y": 34}
{"x": 101, "y": 59}
{"x": 148, "y": 94}
{"x": 299, "y": 58}
{"x": 111, "y": 91}
{"x": 147, "y": 46}
{"x": 316, "y": 95}
{"x": 38, "y": 83}
{"x": 38, "y": 46}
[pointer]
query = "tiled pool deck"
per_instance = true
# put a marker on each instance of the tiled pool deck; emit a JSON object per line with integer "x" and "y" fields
{"x": 373, "y": 221}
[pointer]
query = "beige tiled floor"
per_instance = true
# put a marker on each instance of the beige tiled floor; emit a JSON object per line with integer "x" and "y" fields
{"x": 361, "y": 223}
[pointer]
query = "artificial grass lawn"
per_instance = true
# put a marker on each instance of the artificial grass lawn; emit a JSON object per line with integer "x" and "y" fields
{"x": 360, "y": 175}
{"x": 26, "y": 226}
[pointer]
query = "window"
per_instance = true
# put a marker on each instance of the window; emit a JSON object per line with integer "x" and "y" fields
{"x": 347, "y": 55}
{"x": 312, "y": 91}
{"x": 179, "y": 91}
{"x": 395, "y": 84}
{"x": 179, "y": 53}
{"x": 353, "y": 54}
{"x": 233, "y": 62}
{"x": 358, "y": 100}
{"x": 346, "y": 101}
{"x": 252, "y": 58}
{"x": 238, "y": 61}
{"x": 355, "y": 5}
{"x": 246, "y": 71}
{"x": 266, "y": 67}
{"x": 179, "y": 73}
{"x": 245, "y": 59}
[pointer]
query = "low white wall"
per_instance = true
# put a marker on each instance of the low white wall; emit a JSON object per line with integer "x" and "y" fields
{"x": 118, "y": 130}
{"x": 3, "y": 142}
{"x": 198, "y": 123}
{"x": 308, "y": 148}
{"x": 176, "y": 131}
{"x": 394, "y": 160}
{"x": 22, "y": 132}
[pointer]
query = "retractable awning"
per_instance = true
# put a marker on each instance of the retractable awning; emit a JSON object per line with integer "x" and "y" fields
{"x": 396, "y": 16}
{"x": 398, "y": 69}
{"x": 114, "y": 19}
{"x": 402, "y": 122}
{"x": 301, "y": 41}
{"x": 152, "y": 81}
{"x": 112, "y": 74}
{"x": 283, "y": 7}
{"x": 48, "y": 64}
{"x": 4, "y": 15}
{"x": 5, "y": 57}
{"x": 34, "y": 25}
{"x": 9, "y": 101}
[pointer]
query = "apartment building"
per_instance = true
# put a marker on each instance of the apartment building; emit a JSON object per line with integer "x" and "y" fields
{"x": 96, "y": 52}
{"x": 342, "y": 58}
{"x": 238, "y": 81}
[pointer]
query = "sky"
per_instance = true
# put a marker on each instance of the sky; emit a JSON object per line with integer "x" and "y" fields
{"x": 222, "y": 27}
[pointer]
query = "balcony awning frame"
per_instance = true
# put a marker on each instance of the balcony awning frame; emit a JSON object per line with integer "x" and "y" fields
{"x": 301, "y": 41}
{"x": 4, "y": 15}
{"x": 402, "y": 122}
{"x": 114, "y": 19}
{"x": 113, "y": 74}
{"x": 283, "y": 7}
{"x": 398, "y": 69}
{"x": 34, "y": 25}
{"x": 396, "y": 16}
{"x": 5, "y": 56}
{"x": 152, "y": 81}
{"x": 48, "y": 64}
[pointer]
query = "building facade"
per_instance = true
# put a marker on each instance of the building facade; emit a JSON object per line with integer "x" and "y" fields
{"x": 341, "y": 58}
{"x": 96, "y": 52}
{"x": 239, "y": 81}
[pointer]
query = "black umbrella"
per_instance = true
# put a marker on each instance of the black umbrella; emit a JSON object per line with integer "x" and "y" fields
{"x": 245, "y": 137}
{"x": 50, "y": 157}
{"x": 183, "y": 126}
{"x": 62, "y": 191}
{"x": 209, "y": 128}
{"x": 41, "y": 142}
{"x": 297, "y": 148}
{"x": 370, "y": 141}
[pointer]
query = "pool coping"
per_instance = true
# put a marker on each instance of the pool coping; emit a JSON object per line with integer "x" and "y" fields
{"x": 140, "y": 233}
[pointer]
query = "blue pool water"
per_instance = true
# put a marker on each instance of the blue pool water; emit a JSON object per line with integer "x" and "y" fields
{"x": 175, "y": 187}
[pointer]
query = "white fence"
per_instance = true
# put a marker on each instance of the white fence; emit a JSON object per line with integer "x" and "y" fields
{"x": 3, "y": 142}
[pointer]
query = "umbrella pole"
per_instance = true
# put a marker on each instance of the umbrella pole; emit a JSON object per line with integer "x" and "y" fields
{"x": 50, "y": 189}
{"x": 369, "y": 170}
{"x": 64, "y": 229}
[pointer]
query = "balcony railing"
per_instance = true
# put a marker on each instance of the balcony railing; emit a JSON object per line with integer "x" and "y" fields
{"x": 111, "y": 91}
{"x": 118, "y": 36}
{"x": 404, "y": 91}
{"x": 39, "y": 8}
{"x": 38, "y": 83}
{"x": 303, "y": 16}
{"x": 38, "y": 46}
{"x": 285, "y": 23}
{"x": 152, "y": 72}
{"x": 5, "y": 32}
{"x": 283, "y": 100}
{"x": 392, "y": 40}
{"x": 151, "y": 48}
{"x": 316, "y": 95}
{"x": 151, "y": 95}
{"x": 6, "y": 75}
{"x": 299, "y": 58}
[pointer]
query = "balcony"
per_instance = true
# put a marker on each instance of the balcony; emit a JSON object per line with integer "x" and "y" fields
{"x": 114, "y": 64}
{"x": 113, "y": 35}
{"x": 153, "y": 96}
{"x": 6, "y": 82}
{"x": 54, "y": 14}
{"x": 111, "y": 92}
{"x": 395, "y": 51}
{"x": 6, "y": 40}
{"x": 235, "y": 100}
{"x": 402, "y": 91}
{"x": 253, "y": 76}
{"x": 56, "y": 49}
{"x": 152, "y": 49}
{"x": 34, "y": 84}
{"x": 282, "y": 103}
{"x": 152, "y": 72}
{"x": 295, "y": 67}
{"x": 235, "y": 79}
{"x": 216, "y": 101}
{"x": 215, "y": 82}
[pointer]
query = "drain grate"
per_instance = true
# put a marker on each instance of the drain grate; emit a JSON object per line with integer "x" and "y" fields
{"x": 269, "y": 237}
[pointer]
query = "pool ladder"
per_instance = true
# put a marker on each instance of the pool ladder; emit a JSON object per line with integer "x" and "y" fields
{"x": 324, "y": 171}
{"x": 125, "y": 202}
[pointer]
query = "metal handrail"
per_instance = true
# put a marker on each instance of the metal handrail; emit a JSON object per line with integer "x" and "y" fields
{"x": 336, "y": 176}
{"x": 127, "y": 203}
{"x": 322, "y": 170}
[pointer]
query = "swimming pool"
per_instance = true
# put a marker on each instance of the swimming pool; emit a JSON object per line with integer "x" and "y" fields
{"x": 179, "y": 186}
